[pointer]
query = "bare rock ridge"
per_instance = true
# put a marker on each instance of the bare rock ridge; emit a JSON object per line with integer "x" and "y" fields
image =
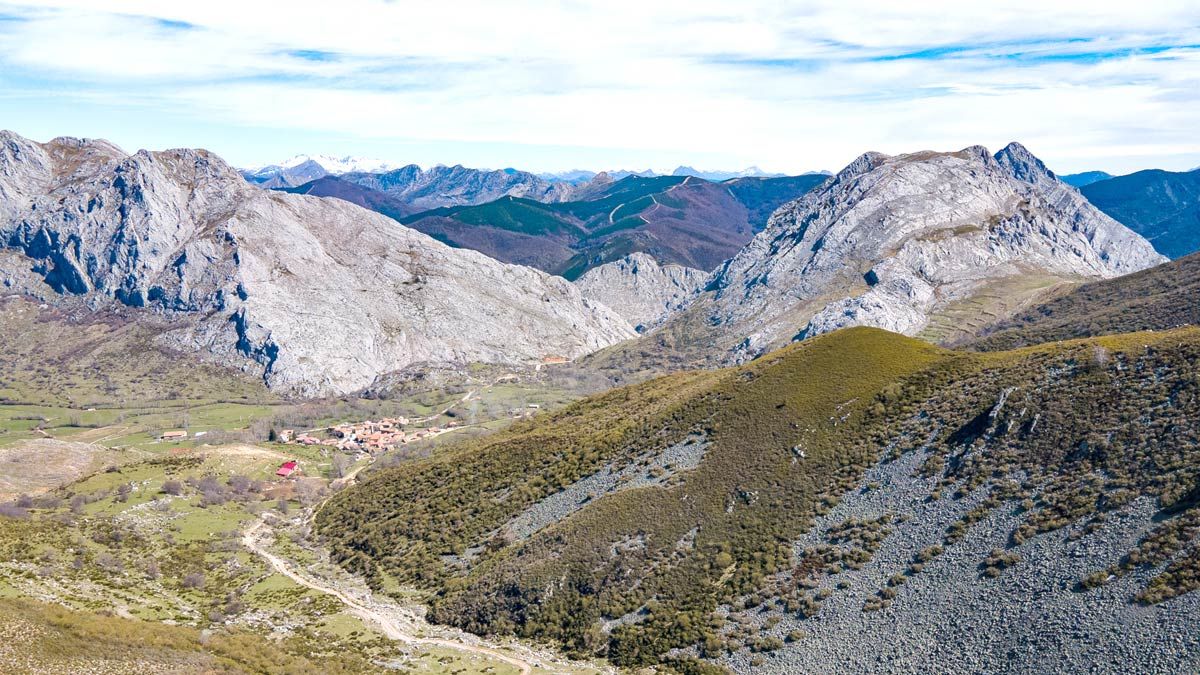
{"x": 901, "y": 242}
{"x": 641, "y": 290}
{"x": 319, "y": 295}
{"x": 418, "y": 189}
{"x": 458, "y": 185}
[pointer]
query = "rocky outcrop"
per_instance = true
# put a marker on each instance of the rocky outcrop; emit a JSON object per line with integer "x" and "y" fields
{"x": 893, "y": 241}
{"x": 318, "y": 295}
{"x": 642, "y": 291}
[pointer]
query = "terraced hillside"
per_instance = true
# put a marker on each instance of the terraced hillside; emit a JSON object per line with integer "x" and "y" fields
{"x": 1158, "y": 298}
{"x": 677, "y": 219}
{"x": 734, "y": 517}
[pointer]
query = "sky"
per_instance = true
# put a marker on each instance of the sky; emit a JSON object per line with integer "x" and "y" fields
{"x": 548, "y": 86}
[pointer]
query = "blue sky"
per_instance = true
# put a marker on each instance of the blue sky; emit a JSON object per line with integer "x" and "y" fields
{"x": 553, "y": 86}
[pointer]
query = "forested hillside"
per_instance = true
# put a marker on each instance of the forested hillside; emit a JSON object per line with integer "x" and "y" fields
{"x": 676, "y": 219}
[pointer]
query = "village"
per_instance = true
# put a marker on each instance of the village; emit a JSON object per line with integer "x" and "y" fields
{"x": 369, "y": 436}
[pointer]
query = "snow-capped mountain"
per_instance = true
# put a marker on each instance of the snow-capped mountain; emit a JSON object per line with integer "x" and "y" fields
{"x": 340, "y": 165}
{"x": 300, "y": 169}
{"x": 750, "y": 172}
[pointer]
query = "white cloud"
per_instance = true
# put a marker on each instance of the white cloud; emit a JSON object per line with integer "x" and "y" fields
{"x": 786, "y": 87}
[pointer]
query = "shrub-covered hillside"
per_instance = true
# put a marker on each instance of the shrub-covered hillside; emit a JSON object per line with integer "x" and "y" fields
{"x": 666, "y": 522}
{"x": 1159, "y": 298}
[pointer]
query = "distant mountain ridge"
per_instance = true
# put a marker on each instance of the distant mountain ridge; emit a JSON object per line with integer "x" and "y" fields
{"x": 676, "y": 219}
{"x": 717, "y": 176}
{"x": 335, "y": 186}
{"x": 444, "y": 186}
{"x": 335, "y": 165}
{"x": 1085, "y": 178}
{"x": 1163, "y": 206}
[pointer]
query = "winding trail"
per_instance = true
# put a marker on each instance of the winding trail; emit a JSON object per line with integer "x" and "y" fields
{"x": 393, "y": 621}
{"x": 396, "y": 622}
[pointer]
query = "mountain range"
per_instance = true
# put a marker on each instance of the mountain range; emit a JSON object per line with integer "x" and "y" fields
{"x": 1162, "y": 206}
{"x": 937, "y": 411}
{"x": 676, "y": 219}
{"x": 317, "y": 295}
{"x": 299, "y": 169}
{"x": 928, "y": 243}
{"x": 1086, "y": 178}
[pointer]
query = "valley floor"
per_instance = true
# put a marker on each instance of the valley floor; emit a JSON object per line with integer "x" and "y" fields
{"x": 112, "y": 537}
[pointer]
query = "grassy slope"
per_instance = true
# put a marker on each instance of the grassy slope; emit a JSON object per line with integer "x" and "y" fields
{"x": 1001, "y": 298}
{"x": 92, "y": 551}
{"x": 397, "y": 522}
{"x": 46, "y": 358}
{"x": 722, "y": 530}
{"x": 1158, "y": 298}
{"x": 104, "y": 381}
{"x": 51, "y": 639}
{"x": 116, "y": 541}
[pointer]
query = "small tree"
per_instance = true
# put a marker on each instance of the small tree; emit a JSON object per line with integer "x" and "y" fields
{"x": 341, "y": 462}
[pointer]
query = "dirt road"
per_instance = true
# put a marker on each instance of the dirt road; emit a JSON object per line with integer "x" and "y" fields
{"x": 395, "y": 622}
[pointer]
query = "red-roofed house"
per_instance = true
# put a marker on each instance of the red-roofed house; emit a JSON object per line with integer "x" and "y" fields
{"x": 286, "y": 469}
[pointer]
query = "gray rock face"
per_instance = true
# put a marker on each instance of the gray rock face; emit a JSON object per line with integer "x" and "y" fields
{"x": 891, "y": 241}
{"x": 457, "y": 185}
{"x": 319, "y": 295}
{"x": 641, "y": 290}
{"x": 1029, "y": 620}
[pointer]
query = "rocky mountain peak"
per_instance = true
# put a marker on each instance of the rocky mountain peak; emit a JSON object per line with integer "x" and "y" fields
{"x": 868, "y": 161}
{"x": 1023, "y": 165}
{"x": 897, "y": 242}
